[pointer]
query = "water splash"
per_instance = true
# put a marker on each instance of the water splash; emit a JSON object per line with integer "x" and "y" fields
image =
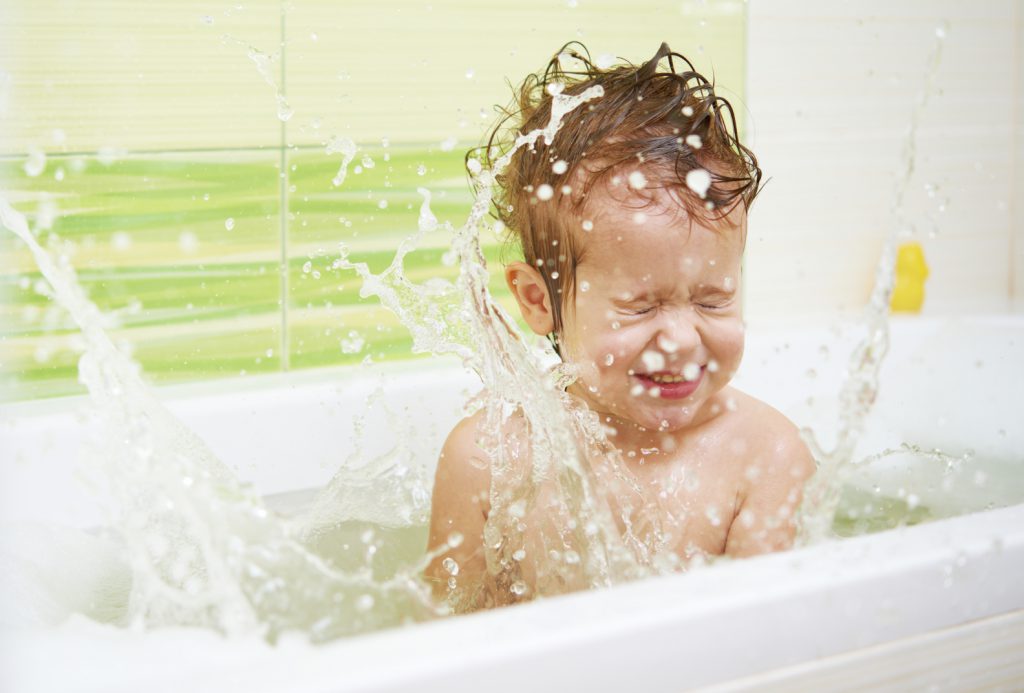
{"x": 550, "y": 530}
{"x": 204, "y": 549}
{"x": 265, "y": 66}
{"x": 565, "y": 512}
{"x": 348, "y": 149}
{"x": 860, "y": 389}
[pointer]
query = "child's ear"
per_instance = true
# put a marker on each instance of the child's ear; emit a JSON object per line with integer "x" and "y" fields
{"x": 531, "y": 293}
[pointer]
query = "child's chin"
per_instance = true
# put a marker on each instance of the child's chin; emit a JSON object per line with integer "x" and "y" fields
{"x": 665, "y": 417}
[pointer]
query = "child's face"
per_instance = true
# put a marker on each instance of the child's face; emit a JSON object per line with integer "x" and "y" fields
{"x": 657, "y": 328}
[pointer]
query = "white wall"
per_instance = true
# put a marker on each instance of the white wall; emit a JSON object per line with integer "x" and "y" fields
{"x": 1018, "y": 195}
{"x": 831, "y": 88}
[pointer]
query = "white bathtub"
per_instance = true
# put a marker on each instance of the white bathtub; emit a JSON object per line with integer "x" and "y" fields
{"x": 940, "y": 603}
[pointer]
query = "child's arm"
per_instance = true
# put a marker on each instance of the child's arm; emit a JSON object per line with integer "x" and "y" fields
{"x": 459, "y": 507}
{"x": 766, "y": 519}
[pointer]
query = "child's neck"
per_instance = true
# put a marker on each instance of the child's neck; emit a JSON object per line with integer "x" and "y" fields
{"x": 636, "y": 442}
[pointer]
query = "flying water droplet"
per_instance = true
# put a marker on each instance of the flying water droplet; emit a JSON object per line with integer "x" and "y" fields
{"x": 637, "y": 180}
{"x": 35, "y": 164}
{"x": 450, "y": 565}
{"x": 347, "y": 148}
{"x": 284, "y": 110}
{"x": 352, "y": 344}
{"x": 654, "y": 361}
{"x": 188, "y": 242}
{"x": 667, "y": 345}
{"x": 699, "y": 181}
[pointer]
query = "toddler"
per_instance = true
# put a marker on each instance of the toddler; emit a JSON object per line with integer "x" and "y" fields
{"x": 632, "y": 224}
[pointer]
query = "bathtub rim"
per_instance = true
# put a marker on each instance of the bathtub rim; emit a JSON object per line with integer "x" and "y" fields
{"x": 766, "y": 327}
{"x": 593, "y": 634}
{"x": 736, "y": 620}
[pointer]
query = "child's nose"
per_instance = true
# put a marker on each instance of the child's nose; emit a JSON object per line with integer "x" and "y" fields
{"x": 678, "y": 333}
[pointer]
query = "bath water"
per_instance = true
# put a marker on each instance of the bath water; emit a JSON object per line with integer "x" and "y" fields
{"x": 187, "y": 543}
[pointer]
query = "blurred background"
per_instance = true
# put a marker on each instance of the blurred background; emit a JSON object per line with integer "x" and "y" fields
{"x": 183, "y": 154}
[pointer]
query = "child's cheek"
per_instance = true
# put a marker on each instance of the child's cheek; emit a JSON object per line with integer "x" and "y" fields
{"x": 602, "y": 352}
{"x": 616, "y": 349}
{"x": 730, "y": 345}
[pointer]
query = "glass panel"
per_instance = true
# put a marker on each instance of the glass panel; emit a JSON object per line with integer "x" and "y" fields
{"x": 179, "y": 249}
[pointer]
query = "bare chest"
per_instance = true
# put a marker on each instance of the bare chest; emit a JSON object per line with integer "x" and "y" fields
{"x": 689, "y": 501}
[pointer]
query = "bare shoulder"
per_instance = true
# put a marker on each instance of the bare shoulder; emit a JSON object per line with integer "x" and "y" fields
{"x": 459, "y": 507}
{"x": 774, "y": 435}
{"x": 463, "y": 469}
{"x": 777, "y": 466}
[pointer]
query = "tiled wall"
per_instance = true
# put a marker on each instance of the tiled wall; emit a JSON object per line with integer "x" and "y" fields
{"x": 831, "y": 89}
{"x": 147, "y": 135}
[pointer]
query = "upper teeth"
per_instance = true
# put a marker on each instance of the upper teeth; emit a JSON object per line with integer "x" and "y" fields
{"x": 666, "y": 378}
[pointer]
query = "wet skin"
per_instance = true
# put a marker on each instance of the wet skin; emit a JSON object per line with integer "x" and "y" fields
{"x": 655, "y": 330}
{"x": 661, "y": 304}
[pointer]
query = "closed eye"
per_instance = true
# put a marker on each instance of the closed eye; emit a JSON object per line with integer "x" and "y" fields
{"x": 717, "y": 305}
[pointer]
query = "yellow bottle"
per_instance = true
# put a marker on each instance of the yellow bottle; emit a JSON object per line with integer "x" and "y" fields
{"x": 911, "y": 272}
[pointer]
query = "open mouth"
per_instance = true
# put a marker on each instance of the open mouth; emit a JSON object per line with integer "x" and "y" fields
{"x": 669, "y": 385}
{"x": 662, "y": 378}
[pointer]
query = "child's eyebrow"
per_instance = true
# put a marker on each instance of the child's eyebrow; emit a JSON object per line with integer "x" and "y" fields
{"x": 636, "y": 300}
{"x": 636, "y": 296}
{"x": 708, "y": 289}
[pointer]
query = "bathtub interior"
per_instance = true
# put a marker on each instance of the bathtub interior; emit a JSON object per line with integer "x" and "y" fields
{"x": 945, "y": 386}
{"x": 287, "y": 435}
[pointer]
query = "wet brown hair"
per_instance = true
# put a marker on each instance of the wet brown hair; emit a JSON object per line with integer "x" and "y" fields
{"x": 644, "y": 121}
